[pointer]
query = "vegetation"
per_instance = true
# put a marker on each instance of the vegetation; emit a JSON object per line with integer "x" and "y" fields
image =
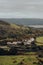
{"x": 18, "y": 60}
{"x": 39, "y": 40}
{"x": 12, "y": 31}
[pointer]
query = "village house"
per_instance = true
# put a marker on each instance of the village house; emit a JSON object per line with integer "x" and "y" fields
{"x": 14, "y": 43}
{"x": 29, "y": 41}
{"x": 11, "y": 43}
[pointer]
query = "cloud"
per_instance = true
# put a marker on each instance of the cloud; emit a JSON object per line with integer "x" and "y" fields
{"x": 21, "y": 8}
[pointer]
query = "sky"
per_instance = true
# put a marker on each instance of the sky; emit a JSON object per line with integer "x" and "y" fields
{"x": 21, "y": 9}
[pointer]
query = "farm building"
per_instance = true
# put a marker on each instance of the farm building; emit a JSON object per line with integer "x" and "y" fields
{"x": 14, "y": 43}
{"x": 29, "y": 41}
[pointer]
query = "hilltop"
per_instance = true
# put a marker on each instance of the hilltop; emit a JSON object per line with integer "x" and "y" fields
{"x": 4, "y": 23}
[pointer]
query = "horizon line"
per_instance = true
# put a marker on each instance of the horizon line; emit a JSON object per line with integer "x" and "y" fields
{"x": 18, "y": 18}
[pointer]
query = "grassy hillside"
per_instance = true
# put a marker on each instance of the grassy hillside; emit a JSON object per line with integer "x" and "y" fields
{"x": 18, "y": 32}
{"x": 8, "y": 30}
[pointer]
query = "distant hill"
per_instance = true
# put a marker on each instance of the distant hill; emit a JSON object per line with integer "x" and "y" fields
{"x": 25, "y": 21}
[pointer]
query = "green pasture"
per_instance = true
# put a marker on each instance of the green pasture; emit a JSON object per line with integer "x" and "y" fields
{"x": 18, "y": 60}
{"x": 39, "y": 40}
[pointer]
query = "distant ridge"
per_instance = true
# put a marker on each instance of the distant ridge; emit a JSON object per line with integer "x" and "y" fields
{"x": 25, "y": 21}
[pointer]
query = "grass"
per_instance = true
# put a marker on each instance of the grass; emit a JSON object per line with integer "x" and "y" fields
{"x": 15, "y": 26}
{"x": 40, "y": 40}
{"x": 16, "y": 60}
{"x": 31, "y": 53}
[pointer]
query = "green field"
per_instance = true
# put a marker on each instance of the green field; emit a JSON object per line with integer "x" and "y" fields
{"x": 39, "y": 40}
{"x": 18, "y": 60}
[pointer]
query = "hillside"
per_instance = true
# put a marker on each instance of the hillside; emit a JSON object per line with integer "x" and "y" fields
{"x": 8, "y": 30}
{"x": 3, "y": 23}
{"x": 17, "y": 32}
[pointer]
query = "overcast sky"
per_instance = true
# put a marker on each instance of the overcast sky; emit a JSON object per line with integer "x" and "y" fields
{"x": 21, "y": 8}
